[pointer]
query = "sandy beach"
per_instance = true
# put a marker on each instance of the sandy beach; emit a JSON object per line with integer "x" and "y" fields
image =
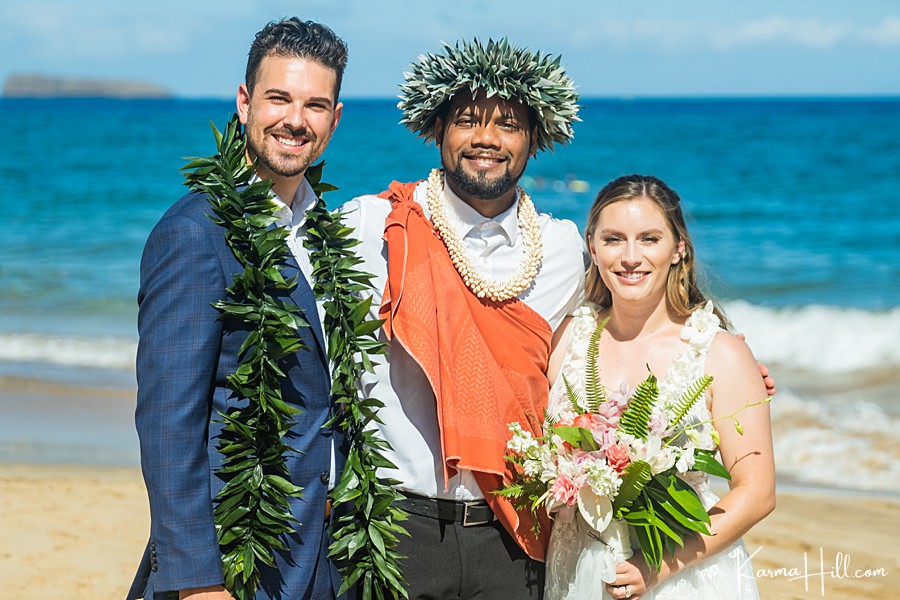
{"x": 81, "y": 530}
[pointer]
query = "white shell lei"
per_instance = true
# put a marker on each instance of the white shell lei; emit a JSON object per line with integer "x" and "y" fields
{"x": 481, "y": 286}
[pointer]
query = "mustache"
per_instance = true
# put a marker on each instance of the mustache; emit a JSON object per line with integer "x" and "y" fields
{"x": 286, "y": 132}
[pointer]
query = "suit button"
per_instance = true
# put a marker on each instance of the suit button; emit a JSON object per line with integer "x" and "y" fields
{"x": 153, "y": 566}
{"x": 325, "y": 477}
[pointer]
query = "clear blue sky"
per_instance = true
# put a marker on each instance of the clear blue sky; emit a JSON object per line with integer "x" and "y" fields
{"x": 198, "y": 48}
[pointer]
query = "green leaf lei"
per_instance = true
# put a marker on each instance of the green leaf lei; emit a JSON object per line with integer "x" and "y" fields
{"x": 366, "y": 532}
{"x": 252, "y": 513}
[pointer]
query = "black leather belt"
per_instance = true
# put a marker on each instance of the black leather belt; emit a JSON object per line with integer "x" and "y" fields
{"x": 475, "y": 512}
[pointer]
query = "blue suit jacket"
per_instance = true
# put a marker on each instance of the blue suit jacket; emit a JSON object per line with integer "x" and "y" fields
{"x": 184, "y": 355}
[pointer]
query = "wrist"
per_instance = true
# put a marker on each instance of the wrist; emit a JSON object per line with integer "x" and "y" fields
{"x": 202, "y": 592}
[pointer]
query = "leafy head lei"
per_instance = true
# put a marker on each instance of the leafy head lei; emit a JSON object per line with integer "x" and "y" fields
{"x": 535, "y": 80}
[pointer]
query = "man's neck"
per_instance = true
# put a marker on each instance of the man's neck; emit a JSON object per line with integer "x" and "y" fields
{"x": 284, "y": 187}
{"x": 286, "y": 190}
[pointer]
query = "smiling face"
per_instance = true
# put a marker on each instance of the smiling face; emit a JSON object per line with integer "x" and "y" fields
{"x": 633, "y": 248}
{"x": 485, "y": 144}
{"x": 289, "y": 118}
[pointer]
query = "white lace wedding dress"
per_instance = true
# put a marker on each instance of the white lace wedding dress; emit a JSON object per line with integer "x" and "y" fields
{"x": 727, "y": 575}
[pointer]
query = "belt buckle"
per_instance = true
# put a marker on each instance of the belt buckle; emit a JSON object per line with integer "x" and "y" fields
{"x": 467, "y": 505}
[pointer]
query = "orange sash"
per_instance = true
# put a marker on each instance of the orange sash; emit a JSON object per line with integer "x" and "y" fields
{"x": 486, "y": 361}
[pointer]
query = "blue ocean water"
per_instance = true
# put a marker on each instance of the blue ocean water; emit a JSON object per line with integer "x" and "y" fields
{"x": 792, "y": 203}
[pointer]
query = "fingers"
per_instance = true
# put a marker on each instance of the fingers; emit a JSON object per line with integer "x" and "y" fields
{"x": 768, "y": 380}
{"x": 621, "y": 591}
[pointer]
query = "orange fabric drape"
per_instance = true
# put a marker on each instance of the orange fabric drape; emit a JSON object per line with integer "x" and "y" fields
{"x": 486, "y": 361}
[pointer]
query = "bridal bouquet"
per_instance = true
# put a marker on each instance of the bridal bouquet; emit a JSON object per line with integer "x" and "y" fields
{"x": 616, "y": 458}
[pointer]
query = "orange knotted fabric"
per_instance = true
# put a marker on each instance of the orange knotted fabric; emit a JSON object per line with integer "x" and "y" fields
{"x": 486, "y": 361}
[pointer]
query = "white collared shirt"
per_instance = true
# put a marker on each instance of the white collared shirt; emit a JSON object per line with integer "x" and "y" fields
{"x": 495, "y": 246}
{"x": 293, "y": 218}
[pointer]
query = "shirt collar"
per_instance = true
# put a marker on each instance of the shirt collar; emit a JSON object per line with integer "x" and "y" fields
{"x": 466, "y": 218}
{"x": 293, "y": 216}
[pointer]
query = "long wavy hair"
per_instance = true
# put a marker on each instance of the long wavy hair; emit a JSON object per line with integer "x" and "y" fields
{"x": 683, "y": 292}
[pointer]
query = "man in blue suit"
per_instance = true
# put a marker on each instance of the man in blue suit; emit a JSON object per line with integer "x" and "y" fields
{"x": 289, "y": 108}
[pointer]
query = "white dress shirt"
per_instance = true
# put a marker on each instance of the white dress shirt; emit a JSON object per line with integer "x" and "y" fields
{"x": 495, "y": 246}
{"x": 293, "y": 217}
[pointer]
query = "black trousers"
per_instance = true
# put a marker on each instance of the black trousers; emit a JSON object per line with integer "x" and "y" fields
{"x": 446, "y": 561}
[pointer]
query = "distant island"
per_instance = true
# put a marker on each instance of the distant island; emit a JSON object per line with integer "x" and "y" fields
{"x": 44, "y": 86}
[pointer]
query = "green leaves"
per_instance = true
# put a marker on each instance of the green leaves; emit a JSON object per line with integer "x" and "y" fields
{"x": 689, "y": 398}
{"x": 367, "y": 533}
{"x": 636, "y": 418}
{"x": 664, "y": 513}
{"x": 252, "y": 512}
{"x": 634, "y": 478}
{"x": 500, "y": 68}
{"x": 592, "y": 385}
{"x": 580, "y": 437}
{"x": 705, "y": 460}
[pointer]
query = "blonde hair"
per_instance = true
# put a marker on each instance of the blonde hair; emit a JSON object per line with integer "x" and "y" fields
{"x": 683, "y": 292}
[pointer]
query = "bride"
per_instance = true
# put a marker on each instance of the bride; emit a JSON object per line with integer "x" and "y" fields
{"x": 643, "y": 278}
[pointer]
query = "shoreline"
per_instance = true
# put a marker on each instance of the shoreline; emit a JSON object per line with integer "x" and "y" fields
{"x": 91, "y": 524}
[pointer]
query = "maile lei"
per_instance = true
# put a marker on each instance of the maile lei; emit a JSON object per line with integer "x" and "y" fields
{"x": 252, "y": 513}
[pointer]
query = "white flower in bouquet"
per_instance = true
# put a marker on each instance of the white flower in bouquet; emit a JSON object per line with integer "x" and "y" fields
{"x": 653, "y": 452}
{"x": 686, "y": 459}
{"x": 602, "y": 479}
{"x": 522, "y": 442}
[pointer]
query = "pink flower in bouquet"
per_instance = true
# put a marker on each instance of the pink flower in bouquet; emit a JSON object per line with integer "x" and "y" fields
{"x": 658, "y": 424}
{"x": 620, "y": 397}
{"x": 609, "y": 412}
{"x": 606, "y": 438}
{"x": 565, "y": 491}
{"x": 617, "y": 455}
{"x": 566, "y": 418}
{"x": 580, "y": 457}
{"x": 585, "y": 421}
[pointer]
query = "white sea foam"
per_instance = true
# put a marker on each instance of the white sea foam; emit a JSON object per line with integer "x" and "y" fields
{"x": 827, "y": 339}
{"x": 100, "y": 352}
{"x": 852, "y": 445}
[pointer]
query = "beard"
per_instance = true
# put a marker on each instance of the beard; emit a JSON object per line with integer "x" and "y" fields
{"x": 283, "y": 165}
{"x": 480, "y": 187}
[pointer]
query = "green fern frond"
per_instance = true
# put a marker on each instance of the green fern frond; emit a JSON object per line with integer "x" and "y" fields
{"x": 635, "y": 419}
{"x": 635, "y": 477}
{"x": 549, "y": 420}
{"x": 576, "y": 399}
{"x": 596, "y": 395}
{"x": 689, "y": 398}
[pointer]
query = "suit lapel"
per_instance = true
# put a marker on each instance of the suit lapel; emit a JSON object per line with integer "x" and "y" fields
{"x": 302, "y": 295}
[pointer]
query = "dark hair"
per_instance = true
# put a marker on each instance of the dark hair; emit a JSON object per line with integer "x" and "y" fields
{"x": 683, "y": 293}
{"x": 303, "y": 39}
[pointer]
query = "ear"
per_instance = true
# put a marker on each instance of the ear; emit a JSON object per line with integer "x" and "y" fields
{"x": 590, "y": 247}
{"x": 243, "y": 103}
{"x": 336, "y": 117}
{"x": 679, "y": 252}
{"x": 438, "y": 131}
{"x": 533, "y": 146}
